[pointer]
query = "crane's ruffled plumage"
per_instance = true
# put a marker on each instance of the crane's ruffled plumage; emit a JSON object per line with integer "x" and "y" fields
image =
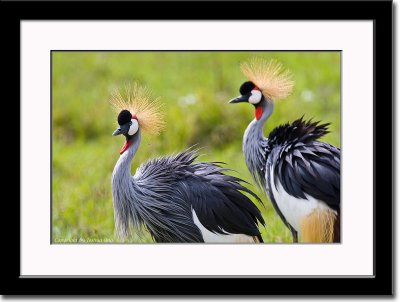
{"x": 216, "y": 197}
{"x": 140, "y": 102}
{"x": 273, "y": 80}
{"x": 164, "y": 191}
{"x": 304, "y": 166}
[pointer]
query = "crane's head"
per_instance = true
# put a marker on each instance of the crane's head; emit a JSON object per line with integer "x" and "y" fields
{"x": 128, "y": 126}
{"x": 138, "y": 110}
{"x": 267, "y": 81}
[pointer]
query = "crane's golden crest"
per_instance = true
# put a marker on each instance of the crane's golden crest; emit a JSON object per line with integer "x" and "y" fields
{"x": 269, "y": 76}
{"x": 140, "y": 102}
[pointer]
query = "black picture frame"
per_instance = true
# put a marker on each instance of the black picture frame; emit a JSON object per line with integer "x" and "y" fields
{"x": 378, "y": 11}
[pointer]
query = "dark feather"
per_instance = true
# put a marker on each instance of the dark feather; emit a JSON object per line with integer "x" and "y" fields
{"x": 314, "y": 168}
{"x": 293, "y": 156}
{"x": 217, "y": 198}
{"x": 299, "y": 131}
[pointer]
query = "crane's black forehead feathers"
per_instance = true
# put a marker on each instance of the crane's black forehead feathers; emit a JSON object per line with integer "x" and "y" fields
{"x": 246, "y": 87}
{"x": 124, "y": 117}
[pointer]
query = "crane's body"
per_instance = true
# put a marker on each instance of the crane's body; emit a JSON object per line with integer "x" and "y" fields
{"x": 300, "y": 174}
{"x": 177, "y": 199}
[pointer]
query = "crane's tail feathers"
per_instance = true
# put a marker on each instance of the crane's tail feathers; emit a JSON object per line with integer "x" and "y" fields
{"x": 318, "y": 227}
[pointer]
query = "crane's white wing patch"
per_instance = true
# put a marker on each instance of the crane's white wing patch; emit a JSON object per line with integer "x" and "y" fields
{"x": 210, "y": 237}
{"x": 293, "y": 209}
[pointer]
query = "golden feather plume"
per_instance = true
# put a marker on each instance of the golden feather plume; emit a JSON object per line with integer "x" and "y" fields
{"x": 140, "y": 102}
{"x": 273, "y": 80}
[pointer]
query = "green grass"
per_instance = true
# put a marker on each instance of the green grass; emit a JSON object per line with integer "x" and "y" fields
{"x": 195, "y": 88}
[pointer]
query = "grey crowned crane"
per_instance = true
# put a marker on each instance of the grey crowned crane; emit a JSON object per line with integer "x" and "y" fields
{"x": 300, "y": 174}
{"x": 175, "y": 198}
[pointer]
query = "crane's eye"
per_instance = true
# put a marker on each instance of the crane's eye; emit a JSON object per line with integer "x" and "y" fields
{"x": 255, "y": 97}
{"x": 134, "y": 127}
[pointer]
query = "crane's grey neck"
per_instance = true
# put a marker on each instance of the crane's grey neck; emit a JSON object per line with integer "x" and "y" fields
{"x": 123, "y": 167}
{"x": 255, "y": 144}
{"x": 123, "y": 191}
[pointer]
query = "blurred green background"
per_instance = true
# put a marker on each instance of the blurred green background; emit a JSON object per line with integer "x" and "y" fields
{"x": 195, "y": 88}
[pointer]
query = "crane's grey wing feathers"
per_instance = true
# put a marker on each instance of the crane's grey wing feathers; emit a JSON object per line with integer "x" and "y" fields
{"x": 312, "y": 168}
{"x": 221, "y": 206}
{"x": 165, "y": 210}
{"x": 303, "y": 164}
{"x": 174, "y": 185}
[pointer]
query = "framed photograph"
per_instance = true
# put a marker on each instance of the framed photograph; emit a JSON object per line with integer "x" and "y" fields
{"x": 248, "y": 148}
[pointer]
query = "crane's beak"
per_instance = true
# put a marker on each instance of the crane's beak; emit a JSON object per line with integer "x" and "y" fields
{"x": 117, "y": 132}
{"x": 121, "y": 130}
{"x": 240, "y": 99}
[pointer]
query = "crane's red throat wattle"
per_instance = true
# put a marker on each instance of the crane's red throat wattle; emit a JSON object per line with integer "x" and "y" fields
{"x": 259, "y": 112}
{"x": 126, "y": 146}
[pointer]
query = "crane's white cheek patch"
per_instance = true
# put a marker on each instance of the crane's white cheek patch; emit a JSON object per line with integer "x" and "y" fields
{"x": 255, "y": 97}
{"x": 134, "y": 127}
